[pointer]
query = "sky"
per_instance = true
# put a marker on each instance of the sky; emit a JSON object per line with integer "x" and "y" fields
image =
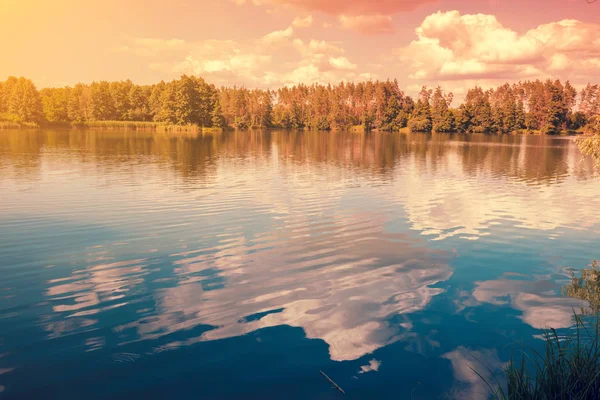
{"x": 271, "y": 43}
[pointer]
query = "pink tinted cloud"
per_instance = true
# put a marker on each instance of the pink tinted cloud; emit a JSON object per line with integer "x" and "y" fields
{"x": 349, "y": 7}
{"x": 451, "y": 46}
{"x": 368, "y": 24}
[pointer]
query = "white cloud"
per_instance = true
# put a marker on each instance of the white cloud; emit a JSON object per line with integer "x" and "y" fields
{"x": 278, "y": 37}
{"x": 316, "y": 47}
{"x": 346, "y": 7}
{"x": 368, "y": 24}
{"x": 151, "y": 47}
{"x": 342, "y": 63}
{"x": 273, "y": 60}
{"x": 372, "y": 366}
{"x": 455, "y": 47}
{"x": 468, "y": 384}
{"x": 303, "y": 22}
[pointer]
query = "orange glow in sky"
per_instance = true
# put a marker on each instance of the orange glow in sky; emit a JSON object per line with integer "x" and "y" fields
{"x": 270, "y": 43}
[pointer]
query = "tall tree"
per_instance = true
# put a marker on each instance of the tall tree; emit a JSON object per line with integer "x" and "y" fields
{"x": 102, "y": 105}
{"x": 55, "y": 103}
{"x": 441, "y": 117}
{"x": 21, "y": 101}
{"x": 421, "y": 117}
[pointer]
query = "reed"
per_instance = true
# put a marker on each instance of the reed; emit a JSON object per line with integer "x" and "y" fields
{"x": 568, "y": 368}
{"x": 135, "y": 125}
{"x": 18, "y": 125}
{"x": 590, "y": 145}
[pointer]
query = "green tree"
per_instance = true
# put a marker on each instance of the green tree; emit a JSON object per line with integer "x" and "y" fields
{"x": 138, "y": 99}
{"x": 420, "y": 120}
{"x": 477, "y": 111}
{"x": 441, "y": 117}
{"x": 155, "y": 101}
{"x": 217, "y": 119}
{"x": 79, "y": 103}
{"x": 21, "y": 101}
{"x": 120, "y": 93}
{"x": 55, "y": 103}
{"x": 102, "y": 105}
{"x": 586, "y": 287}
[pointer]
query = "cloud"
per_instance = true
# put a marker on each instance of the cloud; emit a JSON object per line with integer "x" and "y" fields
{"x": 322, "y": 62}
{"x": 150, "y": 47}
{"x": 224, "y": 59}
{"x": 347, "y": 7}
{"x": 468, "y": 384}
{"x": 316, "y": 47}
{"x": 365, "y": 16}
{"x": 465, "y": 211}
{"x": 372, "y": 366}
{"x": 277, "y": 37}
{"x": 344, "y": 294}
{"x": 452, "y": 47}
{"x": 368, "y": 24}
{"x": 540, "y": 307}
{"x": 341, "y": 63}
{"x": 303, "y": 22}
{"x": 271, "y": 61}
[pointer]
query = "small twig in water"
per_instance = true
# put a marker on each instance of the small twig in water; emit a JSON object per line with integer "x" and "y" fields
{"x": 335, "y": 385}
{"x": 411, "y": 393}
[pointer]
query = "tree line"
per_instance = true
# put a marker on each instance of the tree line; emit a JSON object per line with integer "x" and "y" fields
{"x": 545, "y": 106}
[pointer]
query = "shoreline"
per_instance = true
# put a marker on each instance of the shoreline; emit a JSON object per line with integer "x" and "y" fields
{"x": 143, "y": 126}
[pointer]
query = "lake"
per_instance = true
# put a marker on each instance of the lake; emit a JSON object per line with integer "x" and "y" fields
{"x": 239, "y": 265}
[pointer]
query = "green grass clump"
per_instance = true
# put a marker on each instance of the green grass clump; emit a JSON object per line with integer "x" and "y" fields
{"x": 590, "y": 145}
{"x": 131, "y": 125}
{"x": 568, "y": 368}
{"x": 18, "y": 125}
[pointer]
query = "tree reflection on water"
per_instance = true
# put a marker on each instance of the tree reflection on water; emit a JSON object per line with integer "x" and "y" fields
{"x": 586, "y": 288}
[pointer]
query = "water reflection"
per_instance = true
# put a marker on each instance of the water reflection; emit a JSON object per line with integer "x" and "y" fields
{"x": 586, "y": 287}
{"x": 468, "y": 384}
{"x": 87, "y": 292}
{"x": 539, "y": 300}
{"x": 530, "y": 159}
{"x": 137, "y": 247}
{"x": 342, "y": 284}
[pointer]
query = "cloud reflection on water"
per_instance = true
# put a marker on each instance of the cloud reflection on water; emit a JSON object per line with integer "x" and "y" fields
{"x": 540, "y": 301}
{"x": 343, "y": 289}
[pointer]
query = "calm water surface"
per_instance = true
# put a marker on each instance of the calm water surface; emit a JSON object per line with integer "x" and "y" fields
{"x": 236, "y": 266}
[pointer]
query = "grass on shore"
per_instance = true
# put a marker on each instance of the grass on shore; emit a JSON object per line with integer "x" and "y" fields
{"x": 135, "y": 125}
{"x": 590, "y": 145}
{"x": 112, "y": 126}
{"x": 18, "y": 125}
{"x": 569, "y": 368}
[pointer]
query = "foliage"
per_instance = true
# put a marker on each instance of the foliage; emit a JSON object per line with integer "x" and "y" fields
{"x": 442, "y": 117}
{"x": 543, "y": 106}
{"x": 586, "y": 287}
{"x": 569, "y": 368}
{"x": 421, "y": 120}
{"x": 20, "y": 101}
{"x": 590, "y": 146}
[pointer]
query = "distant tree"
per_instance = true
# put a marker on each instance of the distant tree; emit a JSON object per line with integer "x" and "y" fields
{"x": 547, "y": 106}
{"x": 20, "y": 101}
{"x": 79, "y": 103}
{"x": 587, "y": 288}
{"x": 139, "y": 105}
{"x": 120, "y": 91}
{"x": 55, "y": 104}
{"x": 421, "y": 120}
{"x": 441, "y": 117}
{"x": 102, "y": 105}
{"x": 217, "y": 119}
{"x": 477, "y": 112}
